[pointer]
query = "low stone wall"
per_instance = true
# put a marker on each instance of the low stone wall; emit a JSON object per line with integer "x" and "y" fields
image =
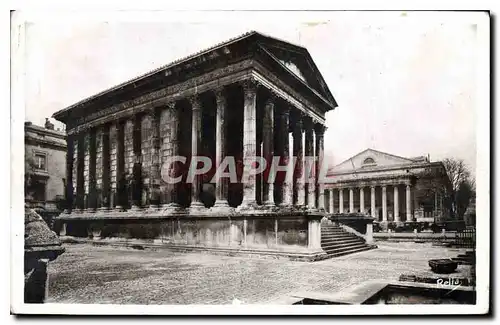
{"x": 273, "y": 232}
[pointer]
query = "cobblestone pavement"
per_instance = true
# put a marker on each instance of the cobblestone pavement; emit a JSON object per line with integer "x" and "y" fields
{"x": 101, "y": 274}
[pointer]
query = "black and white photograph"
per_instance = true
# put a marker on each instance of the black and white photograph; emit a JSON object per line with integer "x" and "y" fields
{"x": 259, "y": 162}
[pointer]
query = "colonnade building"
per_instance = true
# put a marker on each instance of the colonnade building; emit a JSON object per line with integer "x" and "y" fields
{"x": 252, "y": 96}
{"x": 390, "y": 188}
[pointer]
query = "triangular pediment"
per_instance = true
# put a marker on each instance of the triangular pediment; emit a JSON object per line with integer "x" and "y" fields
{"x": 299, "y": 62}
{"x": 371, "y": 158}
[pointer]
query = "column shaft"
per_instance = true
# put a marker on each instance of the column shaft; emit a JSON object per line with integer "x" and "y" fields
{"x": 155, "y": 163}
{"x": 341, "y": 200}
{"x": 396, "y": 204}
{"x": 268, "y": 149}
{"x": 284, "y": 129}
{"x": 320, "y": 155}
{"x": 195, "y": 150}
{"x": 120, "y": 180}
{"x": 221, "y": 184}
{"x": 409, "y": 217}
{"x": 330, "y": 208}
{"x": 80, "y": 179}
{"x": 69, "y": 175}
{"x": 103, "y": 177}
{"x": 310, "y": 163}
{"x": 384, "y": 203}
{"x": 298, "y": 153}
{"x": 372, "y": 201}
{"x": 351, "y": 200}
{"x": 249, "y": 139}
{"x": 362, "y": 199}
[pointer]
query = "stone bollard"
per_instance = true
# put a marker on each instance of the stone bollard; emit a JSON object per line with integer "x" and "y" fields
{"x": 369, "y": 233}
{"x": 41, "y": 245}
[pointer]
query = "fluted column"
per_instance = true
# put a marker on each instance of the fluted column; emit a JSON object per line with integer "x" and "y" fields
{"x": 341, "y": 200}
{"x": 69, "y": 175}
{"x": 117, "y": 162}
{"x": 409, "y": 217}
{"x": 195, "y": 150}
{"x": 396, "y": 204}
{"x": 309, "y": 153}
{"x": 384, "y": 203}
{"x": 284, "y": 133}
{"x": 104, "y": 167}
{"x": 372, "y": 201}
{"x": 155, "y": 163}
{"x": 320, "y": 155}
{"x": 249, "y": 139}
{"x": 268, "y": 149}
{"x": 80, "y": 178}
{"x": 221, "y": 184}
{"x": 362, "y": 199}
{"x": 86, "y": 174}
{"x": 136, "y": 164}
{"x": 298, "y": 153}
{"x": 330, "y": 209}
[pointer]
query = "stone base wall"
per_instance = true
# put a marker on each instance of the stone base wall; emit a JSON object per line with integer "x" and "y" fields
{"x": 279, "y": 233}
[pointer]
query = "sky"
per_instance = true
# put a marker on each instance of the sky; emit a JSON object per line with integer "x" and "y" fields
{"x": 405, "y": 83}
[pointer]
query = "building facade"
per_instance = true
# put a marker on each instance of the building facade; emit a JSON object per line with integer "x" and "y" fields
{"x": 45, "y": 163}
{"x": 249, "y": 97}
{"x": 390, "y": 188}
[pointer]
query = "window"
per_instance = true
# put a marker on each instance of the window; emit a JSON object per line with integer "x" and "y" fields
{"x": 40, "y": 161}
{"x": 369, "y": 161}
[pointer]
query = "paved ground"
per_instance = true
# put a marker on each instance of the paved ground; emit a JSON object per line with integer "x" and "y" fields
{"x": 92, "y": 274}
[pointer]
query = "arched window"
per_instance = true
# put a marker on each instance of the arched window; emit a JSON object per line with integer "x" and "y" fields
{"x": 369, "y": 161}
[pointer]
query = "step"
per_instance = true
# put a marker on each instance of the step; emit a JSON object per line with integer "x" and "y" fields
{"x": 352, "y": 240}
{"x": 341, "y": 245}
{"x": 345, "y": 250}
{"x": 343, "y": 236}
{"x": 350, "y": 252}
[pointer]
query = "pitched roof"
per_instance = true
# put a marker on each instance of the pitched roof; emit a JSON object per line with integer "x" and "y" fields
{"x": 193, "y": 56}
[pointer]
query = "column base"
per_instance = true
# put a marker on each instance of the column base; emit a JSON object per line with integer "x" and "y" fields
{"x": 153, "y": 207}
{"x": 103, "y": 209}
{"x": 197, "y": 207}
{"x": 135, "y": 208}
{"x": 119, "y": 208}
{"x": 221, "y": 204}
{"x": 247, "y": 205}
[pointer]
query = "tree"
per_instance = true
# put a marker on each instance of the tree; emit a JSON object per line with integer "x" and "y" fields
{"x": 463, "y": 185}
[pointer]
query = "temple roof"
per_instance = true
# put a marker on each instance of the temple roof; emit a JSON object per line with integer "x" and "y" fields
{"x": 294, "y": 58}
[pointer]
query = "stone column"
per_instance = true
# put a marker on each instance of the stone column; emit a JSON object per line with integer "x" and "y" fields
{"x": 330, "y": 209}
{"x": 104, "y": 168}
{"x": 268, "y": 149}
{"x": 372, "y": 201}
{"x": 92, "y": 204}
{"x": 384, "y": 203}
{"x": 69, "y": 175}
{"x": 284, "y": 129}
{"x": 136, "y": 164}
{"x": 351, "y": 200}
{"x": 249, "y": 139}
{"x": 396, "y": 204}
{"x": 341, "y": 200}
{"x": 362, "y": 199}
{"x": 195, "y": 150}
{"x": 86, "y": 163}
{"x": 409, "y": 217}
{"x": 80, "y": 179}
{"x": 320, "y": 155}
{"x": 298, "y": 153}
{"x": 221, "y": 184}
{"x": 117, "y": 163}
{"x": 75, "y": 203}
{"x": 155, "y": 164}
{"x": 309, "y": 153}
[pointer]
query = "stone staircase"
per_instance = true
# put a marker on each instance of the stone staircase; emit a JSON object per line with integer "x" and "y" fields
{"x": 335, "y": 241}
